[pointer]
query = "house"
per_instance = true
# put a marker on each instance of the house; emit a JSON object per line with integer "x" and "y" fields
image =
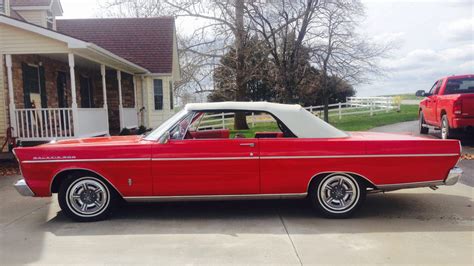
{"x": 82, "y": 77}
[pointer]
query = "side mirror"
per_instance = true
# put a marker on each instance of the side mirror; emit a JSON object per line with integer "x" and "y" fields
{"x": 420, "y": 93}
{"x": 164, "y": 138}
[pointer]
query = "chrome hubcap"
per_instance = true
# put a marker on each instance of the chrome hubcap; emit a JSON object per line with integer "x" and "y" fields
{"x": 88, "y": 197}
{"x": 444, "y": 130}
{"x": 338, "y": 193}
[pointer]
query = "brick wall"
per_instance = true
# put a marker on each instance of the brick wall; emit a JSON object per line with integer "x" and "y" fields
{"x": 52, "y": 67}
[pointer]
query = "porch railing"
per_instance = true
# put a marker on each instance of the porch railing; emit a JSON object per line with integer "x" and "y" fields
{"x": 130, "y": 118}
{"x": 44, "y": 124}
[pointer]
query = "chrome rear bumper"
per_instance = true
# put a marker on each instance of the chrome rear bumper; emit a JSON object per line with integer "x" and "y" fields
{"x": 453, "y": 176}
{"x": 23, "y": 188}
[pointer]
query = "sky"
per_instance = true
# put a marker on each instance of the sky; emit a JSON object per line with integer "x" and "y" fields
{"x": 434, "y": 38}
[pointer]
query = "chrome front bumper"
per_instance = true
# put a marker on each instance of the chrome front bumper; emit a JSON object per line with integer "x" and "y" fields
{"x": 23, "y": 188}
{"x": 453, "y": 176}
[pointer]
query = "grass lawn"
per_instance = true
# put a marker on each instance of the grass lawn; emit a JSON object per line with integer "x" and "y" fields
{"x": 364, "y": 122}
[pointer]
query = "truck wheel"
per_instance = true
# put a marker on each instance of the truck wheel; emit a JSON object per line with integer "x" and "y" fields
{"x": 337, "y": 195}
{"x": 446, "y": 132}
{"x": 423, "y": 129}
{"x": 86, "y": 198}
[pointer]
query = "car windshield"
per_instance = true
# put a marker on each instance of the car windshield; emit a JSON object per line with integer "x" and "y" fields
{"x": 462, "y": 85}
{"x": 158, "y": 132}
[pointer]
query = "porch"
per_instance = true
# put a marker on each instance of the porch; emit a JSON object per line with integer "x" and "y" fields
{"x": 66, "y": 95}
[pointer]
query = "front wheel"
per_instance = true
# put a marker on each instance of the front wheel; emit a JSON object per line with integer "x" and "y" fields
{"x": 337, "y": 195}
{"x": 423, "y": 129}
{"x": 86, "y": 198}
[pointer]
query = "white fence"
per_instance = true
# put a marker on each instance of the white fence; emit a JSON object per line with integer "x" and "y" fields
{"x": 357, "y": 105}
{"x": 353, "y": 106}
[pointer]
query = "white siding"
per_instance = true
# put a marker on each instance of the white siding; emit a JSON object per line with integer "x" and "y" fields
{"x": 37, "y": 17}
{"x": 156, "y": 117}
{"x": 18, "y": 41}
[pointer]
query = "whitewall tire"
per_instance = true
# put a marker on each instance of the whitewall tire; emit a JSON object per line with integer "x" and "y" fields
{"x": 86, "y": 198}
{"x": 337, "y": 195}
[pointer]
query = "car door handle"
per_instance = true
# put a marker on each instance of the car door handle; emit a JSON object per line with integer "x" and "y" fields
{"x": 248, "y": 144}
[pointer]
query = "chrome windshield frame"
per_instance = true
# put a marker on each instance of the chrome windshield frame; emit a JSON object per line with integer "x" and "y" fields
{"x": 156, "y": 134}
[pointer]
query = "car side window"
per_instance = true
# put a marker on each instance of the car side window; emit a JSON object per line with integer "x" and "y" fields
{"x": 433, "y": 90}
{"x": 221, "y": 125}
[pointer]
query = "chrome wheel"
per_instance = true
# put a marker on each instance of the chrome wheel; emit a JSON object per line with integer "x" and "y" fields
{"x": 338, "y": 193}
{"x": 444, "y": 128}
{"x": 87, "y": 197}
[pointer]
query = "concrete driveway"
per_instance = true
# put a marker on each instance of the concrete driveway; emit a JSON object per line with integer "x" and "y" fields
{"x": 417, "y": 226}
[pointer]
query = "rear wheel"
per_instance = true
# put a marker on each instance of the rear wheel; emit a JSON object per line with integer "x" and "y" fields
{"x": 446, "y": 132}
{"x": 337, "y": 195}
{"x": 86, "y": 198}
{"x": 423, "y": 129}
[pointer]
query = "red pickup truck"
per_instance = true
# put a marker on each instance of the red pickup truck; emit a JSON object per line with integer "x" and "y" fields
{"x": 449, "y": 105}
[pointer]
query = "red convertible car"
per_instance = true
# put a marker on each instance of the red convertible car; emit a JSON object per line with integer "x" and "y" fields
{"x": 197, "y": 155}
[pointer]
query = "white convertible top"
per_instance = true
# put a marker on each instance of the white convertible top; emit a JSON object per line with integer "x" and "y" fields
{"x": 301, "y": 122}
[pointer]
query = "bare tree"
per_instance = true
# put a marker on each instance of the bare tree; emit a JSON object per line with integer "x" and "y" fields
{"x": 285, "y": 27}
{"x": 339, "y": 51}
{"x": 225, "y": 22}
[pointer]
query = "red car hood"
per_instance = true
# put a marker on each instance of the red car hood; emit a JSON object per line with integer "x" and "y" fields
{"x": 116, "y": 140}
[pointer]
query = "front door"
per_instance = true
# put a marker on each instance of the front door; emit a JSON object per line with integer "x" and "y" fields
{"x": 206, "y": 167}
{"x": 86, "y": 92}
{"x": 199, "y": 159}
{"x": 431, "y": 104}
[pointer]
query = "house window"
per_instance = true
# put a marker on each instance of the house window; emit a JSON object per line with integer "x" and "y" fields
{"x": 2, "y": 6}
{"x": 34, "y": 91}
{"x": 171, "y": 96}
{"x": 158, "y": 93}
{"x": 49, "y": 20}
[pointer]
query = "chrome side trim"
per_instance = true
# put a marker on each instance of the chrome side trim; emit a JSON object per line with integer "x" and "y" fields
{"x": 338, "y": 172}
{"x": 88, "y": 160}
{"x": 452, "y": 178}
{"x": 243, "y": 158}
{"x": 206, "y": 159}
{"x": 81, "y": 169}
{"x": 391, "y": 187}
{"x": 23, "y": 188}
{"x": 215, "y": 197}
{"x": 359, "y": 156}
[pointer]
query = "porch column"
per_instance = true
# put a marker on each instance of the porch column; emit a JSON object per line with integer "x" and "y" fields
{"x": 75, "y": 114}
{"x": 144, "y": 103}
{"x": 119, "y": 78}
{"x": 11, "y": 105}
{"x": 135, "y": 98}
{"x": 135, "y": 92}
{"x": 104, "y": 89}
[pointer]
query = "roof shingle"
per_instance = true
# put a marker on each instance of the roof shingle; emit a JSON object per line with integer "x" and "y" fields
{"x": 147, "y": 42}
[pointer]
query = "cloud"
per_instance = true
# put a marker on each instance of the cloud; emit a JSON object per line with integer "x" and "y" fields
{"x": 419, "y": 69}
{"x": 459, "y": 30}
